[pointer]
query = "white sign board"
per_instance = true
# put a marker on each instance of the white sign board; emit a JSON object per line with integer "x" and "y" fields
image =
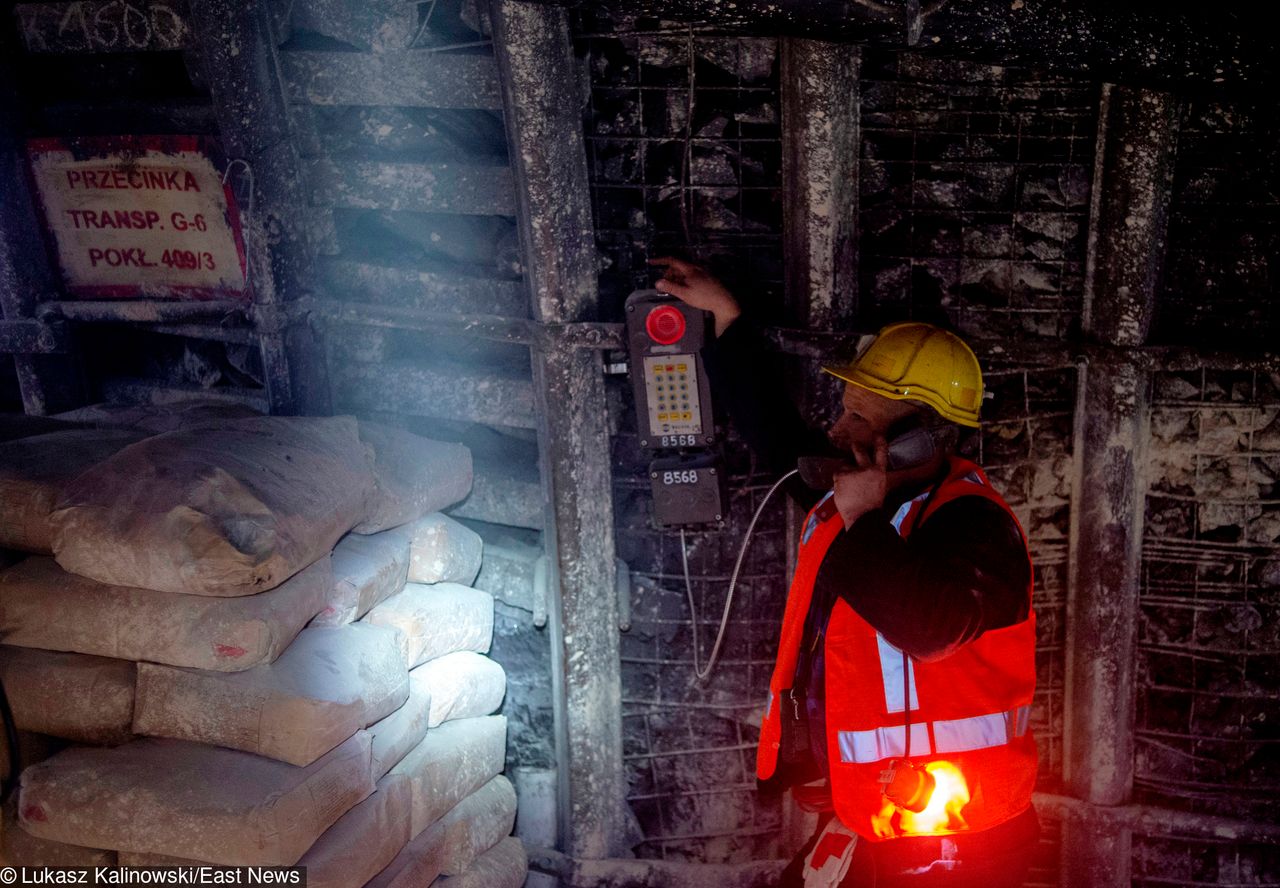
{"x": 139, "y": 216}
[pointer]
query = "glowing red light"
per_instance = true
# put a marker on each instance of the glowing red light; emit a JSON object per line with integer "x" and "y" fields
{"x": 941, "y": 815}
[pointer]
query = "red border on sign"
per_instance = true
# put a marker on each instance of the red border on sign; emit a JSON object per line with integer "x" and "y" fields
{"x": 84, "y": 147}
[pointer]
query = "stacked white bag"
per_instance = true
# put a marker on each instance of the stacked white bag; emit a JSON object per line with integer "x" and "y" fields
{"x": 186, "y": 567}
{"x": 461, "y": 806}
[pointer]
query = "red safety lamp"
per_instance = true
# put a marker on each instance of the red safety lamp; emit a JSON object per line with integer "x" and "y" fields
{"x": 910, "y": 787}
{"x": 665, "y": 324}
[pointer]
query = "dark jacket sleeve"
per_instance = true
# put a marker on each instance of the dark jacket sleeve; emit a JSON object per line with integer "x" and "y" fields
{"x": 746, "y": 379}
{"x": 963, "y": 572}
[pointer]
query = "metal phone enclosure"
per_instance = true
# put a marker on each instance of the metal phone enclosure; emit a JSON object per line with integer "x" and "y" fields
{"x": 687, "y": 489}
{"x": 673, "y": 397}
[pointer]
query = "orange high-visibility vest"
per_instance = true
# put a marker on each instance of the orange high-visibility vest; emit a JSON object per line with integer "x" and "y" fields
{"x": 969, "y": 708}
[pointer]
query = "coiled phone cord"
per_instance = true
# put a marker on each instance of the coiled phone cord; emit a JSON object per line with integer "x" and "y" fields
{"x": 701, "y": 673}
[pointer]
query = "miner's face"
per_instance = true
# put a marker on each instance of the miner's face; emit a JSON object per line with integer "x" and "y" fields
{"x": 865, "y": 417}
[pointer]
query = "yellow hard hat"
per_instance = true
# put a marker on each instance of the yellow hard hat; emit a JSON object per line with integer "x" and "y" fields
{"x": 920, "y": 362}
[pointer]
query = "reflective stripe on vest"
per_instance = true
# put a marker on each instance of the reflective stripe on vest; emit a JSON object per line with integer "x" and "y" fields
{"x": 954, "y": 735}
{"x": 890, "y": 656}
{"x": 878, "y": 744}
{"x": 891, "y": 676}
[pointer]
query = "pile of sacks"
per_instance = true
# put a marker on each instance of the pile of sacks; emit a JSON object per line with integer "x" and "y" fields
{"x": 259, "y": 638}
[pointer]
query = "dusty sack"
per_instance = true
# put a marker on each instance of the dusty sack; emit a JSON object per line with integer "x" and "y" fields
{"x": 505, "y": 865}
{"x": 221, "y": 511}
{"x": 328, "y": 684}
{"x": 74, "y": 696}
{"x": 19, "y": 848}
{"x": 461, "y": 685}
{"x": 477, "y": 823}
{"x": 453, "y": 761}
{"x": 366, "y": 571}
{"x": 34, "y": 472}
{"x": 44, "y": 606}
{"x": 400, "y": 731}
{"x": 197, "y": 802}
{"x": 413, "y": 476}
{"x": 437, "y": 620}
{"x": 418, "y": 864}
{"x": 443, "y": 551}
{"x": 451, "y": 842}
{"x": 364, "y": 841}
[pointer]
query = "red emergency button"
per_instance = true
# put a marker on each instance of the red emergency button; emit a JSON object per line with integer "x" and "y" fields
{"x": 665, "y": 325}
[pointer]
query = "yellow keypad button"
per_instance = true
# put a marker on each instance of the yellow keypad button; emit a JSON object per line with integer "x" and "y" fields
{"x": 686, "y": 415}
{"x": 662, "y": 417}
{"x": 682, "y": 367}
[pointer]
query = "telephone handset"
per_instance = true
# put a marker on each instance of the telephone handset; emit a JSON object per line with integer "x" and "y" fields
{"x": 911, "y": 443}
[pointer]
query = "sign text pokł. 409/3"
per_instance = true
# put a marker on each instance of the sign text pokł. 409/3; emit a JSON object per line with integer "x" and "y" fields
{"x": 135, "y": 216}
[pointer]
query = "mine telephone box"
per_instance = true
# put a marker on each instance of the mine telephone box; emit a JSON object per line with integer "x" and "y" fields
{"x": 675, "y": 420}
{"x": 673, "y": 408}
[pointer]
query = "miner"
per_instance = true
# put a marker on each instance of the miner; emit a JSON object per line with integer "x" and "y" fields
{"x": 898, "y": 707}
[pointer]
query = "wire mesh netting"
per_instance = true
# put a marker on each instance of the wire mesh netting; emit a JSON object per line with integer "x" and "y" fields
{"x": 1025, "y": 446}
{"x": 1220, "y": 279}
{"x": 1192, "y": 863}
{"x": 684, "y": 146}
{"x": 1209, "y": 652}
{"x": 975, "y": 185}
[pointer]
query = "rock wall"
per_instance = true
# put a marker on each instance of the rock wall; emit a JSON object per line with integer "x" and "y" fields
{"x": 975, "y": 194}
{"x": 1209, "y": 652}
{"x": 1220, "y": 272}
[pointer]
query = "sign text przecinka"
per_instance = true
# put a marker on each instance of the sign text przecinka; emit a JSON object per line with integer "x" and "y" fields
{"x": 138, "y": 216}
